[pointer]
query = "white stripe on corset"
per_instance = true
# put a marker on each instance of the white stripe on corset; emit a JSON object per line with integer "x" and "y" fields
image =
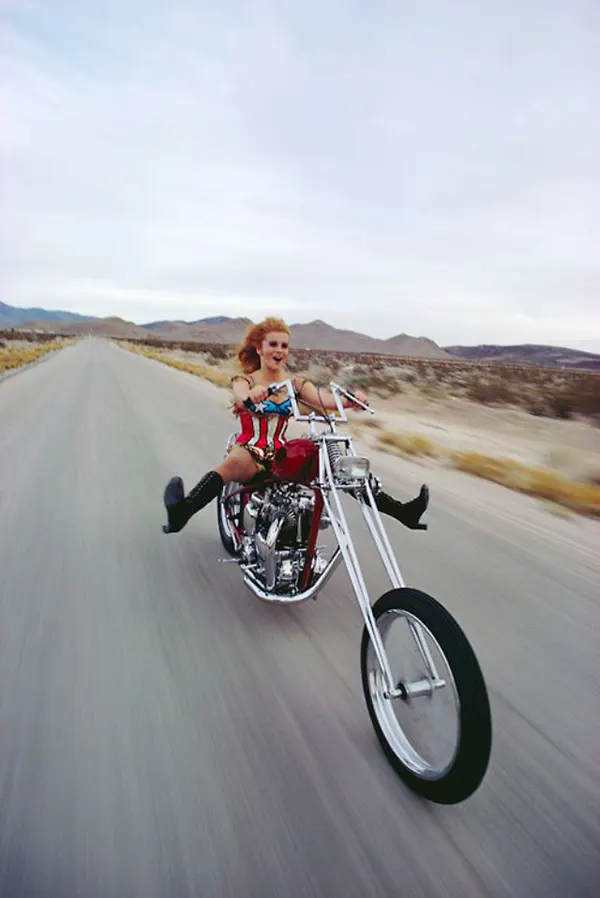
{"x": 272, "y": 424}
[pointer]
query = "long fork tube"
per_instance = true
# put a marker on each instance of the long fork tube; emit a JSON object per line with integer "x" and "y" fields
{"x": 340, "y": 528}
{"x": 381, "y": 539}
{"x": 373, "y": 520}
{"x": 375, "y": 524}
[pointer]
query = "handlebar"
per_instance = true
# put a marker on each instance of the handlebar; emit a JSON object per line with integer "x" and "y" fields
{"x": 289, "y": 406}
{"x": 364, "y": 405}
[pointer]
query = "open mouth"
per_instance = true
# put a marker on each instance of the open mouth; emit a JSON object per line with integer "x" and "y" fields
{"x": 277, "y": 358}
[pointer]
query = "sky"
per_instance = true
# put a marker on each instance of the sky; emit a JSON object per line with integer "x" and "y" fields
{"x": 388, "y": 166}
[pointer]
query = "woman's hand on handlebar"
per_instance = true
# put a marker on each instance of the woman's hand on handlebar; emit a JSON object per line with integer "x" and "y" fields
{"x": 258, "y": 394}
{"x": 360, "y": 395}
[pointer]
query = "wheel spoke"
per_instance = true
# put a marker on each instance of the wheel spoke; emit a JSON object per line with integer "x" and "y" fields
{"x": 435, "y": 726}
{"x": 422, "y": 730}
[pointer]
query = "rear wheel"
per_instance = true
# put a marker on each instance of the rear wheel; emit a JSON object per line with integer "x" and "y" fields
{"x": 225, "y": 509}
{"x": 437, "y": 739}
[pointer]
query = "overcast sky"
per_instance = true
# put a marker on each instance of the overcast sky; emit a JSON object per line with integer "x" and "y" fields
{"x": 388, "y": 166}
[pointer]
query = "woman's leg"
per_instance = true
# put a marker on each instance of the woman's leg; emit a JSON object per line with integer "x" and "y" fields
{"x": 238, "y": 465}
{"x": 407, "y": 513}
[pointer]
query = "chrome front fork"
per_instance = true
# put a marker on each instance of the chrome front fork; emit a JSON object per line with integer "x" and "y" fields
{"x": 370, "y": 512}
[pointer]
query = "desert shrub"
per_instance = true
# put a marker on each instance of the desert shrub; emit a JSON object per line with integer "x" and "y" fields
{"x": 218, "y": 353}
{"x": 538, "y": 482}
{"x": 377, "y": 381}
{"x": 375, "y": 365}
{"x": 431, "y": 389}
{"x": 583, "y": 400}
{"x": 536, "y": 406}
{"x": 11, "y": 358}
{"x": 410, "y": 377}
{"x": 33, "y": 337}
{"x": 334, "y": 366}
{"x": 390, "y": 386}
{"x": 295, "y": 365}
{"x": 561, "y": 405}
{"x": 540, "y": 391}
{"x": 410, "y": 444}
{"x": 208, "y": 372}
{"x": 371, "y": 423}
{"x": 492, "y": 391}
{"x": 565, "y": 402}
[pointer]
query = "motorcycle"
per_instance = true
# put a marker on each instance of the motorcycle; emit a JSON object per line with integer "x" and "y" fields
{"x": 433, "y": 725}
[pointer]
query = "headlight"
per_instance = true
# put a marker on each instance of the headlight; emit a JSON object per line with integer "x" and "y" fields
{"x": 352, "y": 467}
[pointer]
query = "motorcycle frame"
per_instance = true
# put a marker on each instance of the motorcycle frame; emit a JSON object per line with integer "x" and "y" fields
{"x": 327, "y": 499}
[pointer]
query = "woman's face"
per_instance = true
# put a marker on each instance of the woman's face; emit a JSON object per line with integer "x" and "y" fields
{"x": 274, "y": 350}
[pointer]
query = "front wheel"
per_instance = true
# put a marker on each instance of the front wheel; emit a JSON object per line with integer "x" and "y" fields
{"x": 437, "y": 739}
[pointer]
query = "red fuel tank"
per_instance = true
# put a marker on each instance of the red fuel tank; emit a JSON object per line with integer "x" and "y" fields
{"x": 297, "y": 461}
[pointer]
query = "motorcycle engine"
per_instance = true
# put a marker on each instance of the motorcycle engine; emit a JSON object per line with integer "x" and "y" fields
{"x": 281, "y": 525}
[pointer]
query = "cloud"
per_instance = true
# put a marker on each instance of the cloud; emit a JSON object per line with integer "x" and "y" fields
{"x": 388, "y": 167}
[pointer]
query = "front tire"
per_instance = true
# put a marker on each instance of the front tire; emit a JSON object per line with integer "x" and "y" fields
{"x": 462, "y": 735}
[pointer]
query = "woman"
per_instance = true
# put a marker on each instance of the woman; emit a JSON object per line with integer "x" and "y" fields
{"x": 263, "y": 356}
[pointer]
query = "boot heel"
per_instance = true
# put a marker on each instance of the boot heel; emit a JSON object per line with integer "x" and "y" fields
{"x": 173, "y": 500}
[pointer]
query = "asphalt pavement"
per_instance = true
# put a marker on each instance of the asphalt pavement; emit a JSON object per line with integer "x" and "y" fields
{"x": 164, "y": 733}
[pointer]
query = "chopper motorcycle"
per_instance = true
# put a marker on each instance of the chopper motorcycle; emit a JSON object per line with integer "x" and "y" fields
{"x": 423, "y": 686}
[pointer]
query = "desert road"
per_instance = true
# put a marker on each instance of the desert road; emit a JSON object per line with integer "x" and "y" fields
{"x": 163, "y": 733}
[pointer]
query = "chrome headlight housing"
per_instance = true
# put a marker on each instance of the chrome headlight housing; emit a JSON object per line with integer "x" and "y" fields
{"x": 352, "y": 467}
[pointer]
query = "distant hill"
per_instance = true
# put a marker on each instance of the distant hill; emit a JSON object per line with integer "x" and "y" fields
{"x": 157, "y": 325}
{"x": 312, "y": 335}
{"x": 528, "y": 354}
{"x": 99, "y": 327}
{"x": 13, "y": 316}
{"x": 206, "y": 330}
{"x": 320, "y": 335}
{"x": 216, "y": 319}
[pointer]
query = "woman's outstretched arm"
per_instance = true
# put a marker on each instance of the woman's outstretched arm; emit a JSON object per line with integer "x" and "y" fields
{"x": 319, "y": 397}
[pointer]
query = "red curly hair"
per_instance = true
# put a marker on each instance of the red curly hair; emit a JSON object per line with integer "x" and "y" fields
{"x": 248, "y": 351}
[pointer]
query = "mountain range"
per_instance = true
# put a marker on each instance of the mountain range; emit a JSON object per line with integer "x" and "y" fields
{"x": 13, "y": 316}
{"x": 528, "y": 353}
{"x": 312, "y": 335}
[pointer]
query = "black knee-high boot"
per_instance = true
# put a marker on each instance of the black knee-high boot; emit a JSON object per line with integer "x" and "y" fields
{"x": 180, "y": 507}
{"x": 408, "y": 513}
